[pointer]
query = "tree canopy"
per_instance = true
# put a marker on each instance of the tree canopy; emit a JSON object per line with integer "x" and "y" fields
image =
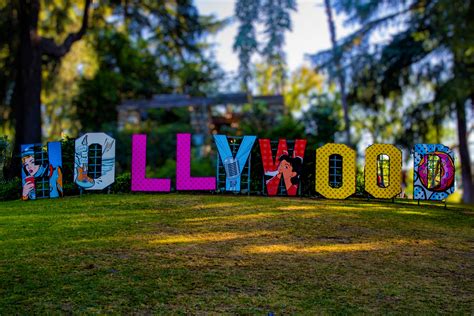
{"x": 130, "y": 49}
{"x": 419, "y": 74}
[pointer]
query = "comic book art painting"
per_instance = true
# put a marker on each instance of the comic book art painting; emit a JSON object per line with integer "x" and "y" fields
{"x": 433, "y": 175}
{"x": 285, "y": 169}
{"x": 234, "y": 164}
{"x": 94, "y": 161}
{"x": 41, "y": 171}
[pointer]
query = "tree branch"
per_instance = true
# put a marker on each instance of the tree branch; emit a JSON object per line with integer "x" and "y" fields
{"x": 49, "y": 46}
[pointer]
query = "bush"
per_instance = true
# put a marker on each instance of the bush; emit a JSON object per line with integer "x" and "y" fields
{"x": 360, "y": 183}
{"x": 10, "y": 190}
{"x": 122, "y": 184}
{"x": 5, "y": 154}
{"x": 70, "y": 188}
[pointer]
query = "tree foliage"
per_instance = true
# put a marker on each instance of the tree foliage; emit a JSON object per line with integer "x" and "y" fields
{"x": 247, "y": 13}
{"x": 274, "y": 16}
{"x": 302, "y": 84}
{"x": 159, "y": 49}
{"x": 277, "y": 20}
{"x": 422, "y": 67}
{"x": 128, "y": 49}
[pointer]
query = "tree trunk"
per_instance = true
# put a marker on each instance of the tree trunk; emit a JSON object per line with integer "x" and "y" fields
{"x": 27, "y": 93}
{"x": 339, "y": 72}
{"x": 466, "y": 173}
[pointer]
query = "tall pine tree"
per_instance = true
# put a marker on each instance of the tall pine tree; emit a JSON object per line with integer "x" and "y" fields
{"x": 245, "y": 44}
{"x": 275, "y": 17}
{"x": 277, "y": 20}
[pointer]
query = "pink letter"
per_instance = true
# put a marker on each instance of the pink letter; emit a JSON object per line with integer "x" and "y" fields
{"x": 184, "y": 181}
{"x": 139, "y": 180}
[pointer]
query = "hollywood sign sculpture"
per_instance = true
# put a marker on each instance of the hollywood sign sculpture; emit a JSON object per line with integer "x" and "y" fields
{"x": 94, "y": 168}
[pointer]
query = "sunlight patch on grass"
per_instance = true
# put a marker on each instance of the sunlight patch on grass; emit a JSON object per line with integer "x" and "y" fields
{"x": 296, "y": 208}
{"x": 281, "y": 248}
{"x": 414, "y": 213}
{"x": 368, "y": 246}
{"x": 209, "y": 237}
{"x": 231, "y": 217}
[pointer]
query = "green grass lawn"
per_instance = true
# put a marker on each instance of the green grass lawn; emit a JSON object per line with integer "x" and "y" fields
{"x": 180, "y": 253}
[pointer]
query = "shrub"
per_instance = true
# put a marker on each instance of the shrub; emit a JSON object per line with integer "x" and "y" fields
{"x": 5, "y": 154}
{"x": 10, "y": 189}
{"x": 122, "y": 184}
{"x": 360, "y": 183}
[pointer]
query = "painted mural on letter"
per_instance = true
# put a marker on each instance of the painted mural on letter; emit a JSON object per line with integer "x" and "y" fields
{"x": 94, "y": 162}
{"x": 41, "y": 172}
{"x": 433, "y": 175}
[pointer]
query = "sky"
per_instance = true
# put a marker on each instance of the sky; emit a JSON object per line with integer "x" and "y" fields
{"x": 310, "y": 32}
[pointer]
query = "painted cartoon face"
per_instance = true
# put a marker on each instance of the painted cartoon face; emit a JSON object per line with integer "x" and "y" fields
{"x": 286, "y": 169}
{"x": 29, "y": 165}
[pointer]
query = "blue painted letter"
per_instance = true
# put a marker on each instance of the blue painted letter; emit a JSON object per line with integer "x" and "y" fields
{"x": 233, "y": 165}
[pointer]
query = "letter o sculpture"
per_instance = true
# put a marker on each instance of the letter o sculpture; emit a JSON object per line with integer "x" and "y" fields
{"x": 395, "y": 179}
{"x": 348, "y": 171}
